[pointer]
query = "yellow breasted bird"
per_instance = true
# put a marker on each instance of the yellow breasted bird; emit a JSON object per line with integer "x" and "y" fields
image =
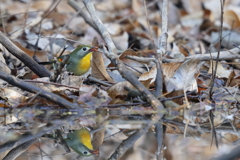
{"x": 79, "y": 61}
{"x": 80, "y": 142}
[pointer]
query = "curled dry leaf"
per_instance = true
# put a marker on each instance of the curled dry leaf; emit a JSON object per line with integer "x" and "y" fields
{"x": 169, "y": 70}
{"x": 98, "y": 68}
{"x": 100, "y": 127}
{"x": 232, "y": 19}
{"x": 235, "y": 81}
{"x": 229, "y": 137}
{"x": 117, "y": 101}
{"x": 149, "y": 75}
{"x": 98, "y": 138}
{"x": 221, "y": 72}
{"x": 3, "y": 65}
{"x": 13, "y": 95}
{"x": 184, "y": 77}
{"x": 118, "y": 89}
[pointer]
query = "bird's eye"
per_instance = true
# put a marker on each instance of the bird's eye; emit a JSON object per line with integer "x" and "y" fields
{"x": 84, "y": 48}
{"x": 85, "y": 152}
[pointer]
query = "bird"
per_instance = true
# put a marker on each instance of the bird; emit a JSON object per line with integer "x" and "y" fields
{"x": 79, "y": 61}
{"x": 80, "y": 142}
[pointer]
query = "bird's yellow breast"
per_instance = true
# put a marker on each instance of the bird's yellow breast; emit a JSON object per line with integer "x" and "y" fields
{"x": 85, "y": 63}
{"x": 85, "y": 137}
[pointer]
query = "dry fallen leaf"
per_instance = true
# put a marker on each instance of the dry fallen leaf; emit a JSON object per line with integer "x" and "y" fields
{"x": 118, "y": 89}
{"x": 98, "y": 68}
{"x": 3, "y": 65}
{"x": 150, "y": 75}
{"x": 13, "y": 95}
{"x": 184, "y": 77}
{"x": 232, "y": 19}
{"x": 221, "y": 72}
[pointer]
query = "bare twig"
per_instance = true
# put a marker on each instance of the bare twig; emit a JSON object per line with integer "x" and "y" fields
{"x": 159, "y": 137}
{"x": 22, "y": 56}
{"x": 83, "y": 14}
{"x": 123, "y": 147}
{"x": 159, "y": 80}
{"x": 224, "y": 55}
{"x": 162, "y": 47}
{"x": 233, "y": 154}
{"x": 162, "y": 42}
{"x": 62, "y": 141}
{"x": 59, "y": 67}
{"x": 51, "y": 83}
{"x": 26, "y": 137}
{"x": 15, "y": 152}
{"x": 218, "y": 54}
{"x": 33, "y": 89}
{"x": 99, "y": 81}
{"x": 214, "y": 134}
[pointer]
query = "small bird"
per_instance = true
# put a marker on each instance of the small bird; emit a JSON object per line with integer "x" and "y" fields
{"x": 79, "y": 60}
{"x": 80, "y": 142}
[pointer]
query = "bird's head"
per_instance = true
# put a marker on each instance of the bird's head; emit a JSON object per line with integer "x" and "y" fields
{"x": 83, "y": 50}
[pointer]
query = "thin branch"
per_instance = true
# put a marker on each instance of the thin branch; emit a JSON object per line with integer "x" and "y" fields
{"x": 59, "y": 67}
{"x": 28, "y": 137}
{"x": 15, "y": 152}
{"x": 219, "y": 49}
{"x": 51, "y": 83}
{"x": 162, "y": 47}
{"x": 233, "y": 154}
{"x": 214, "y": 134}
{"x": 83, "y": 14}
{"x": 159, "y": 137}
{"x": 123, "y": 147}
{"x": 33, "y": 89}
{"x": 22, "y": 56}
{"x": 224, "y": 55}
{"x": 102, "y": 29}
{"x": 99, "y": 81}
{"x": 162, "y": 42}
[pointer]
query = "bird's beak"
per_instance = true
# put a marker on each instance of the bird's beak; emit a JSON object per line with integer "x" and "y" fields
{"x": 93, "y": 49}
{"x": 96, "y": 152}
